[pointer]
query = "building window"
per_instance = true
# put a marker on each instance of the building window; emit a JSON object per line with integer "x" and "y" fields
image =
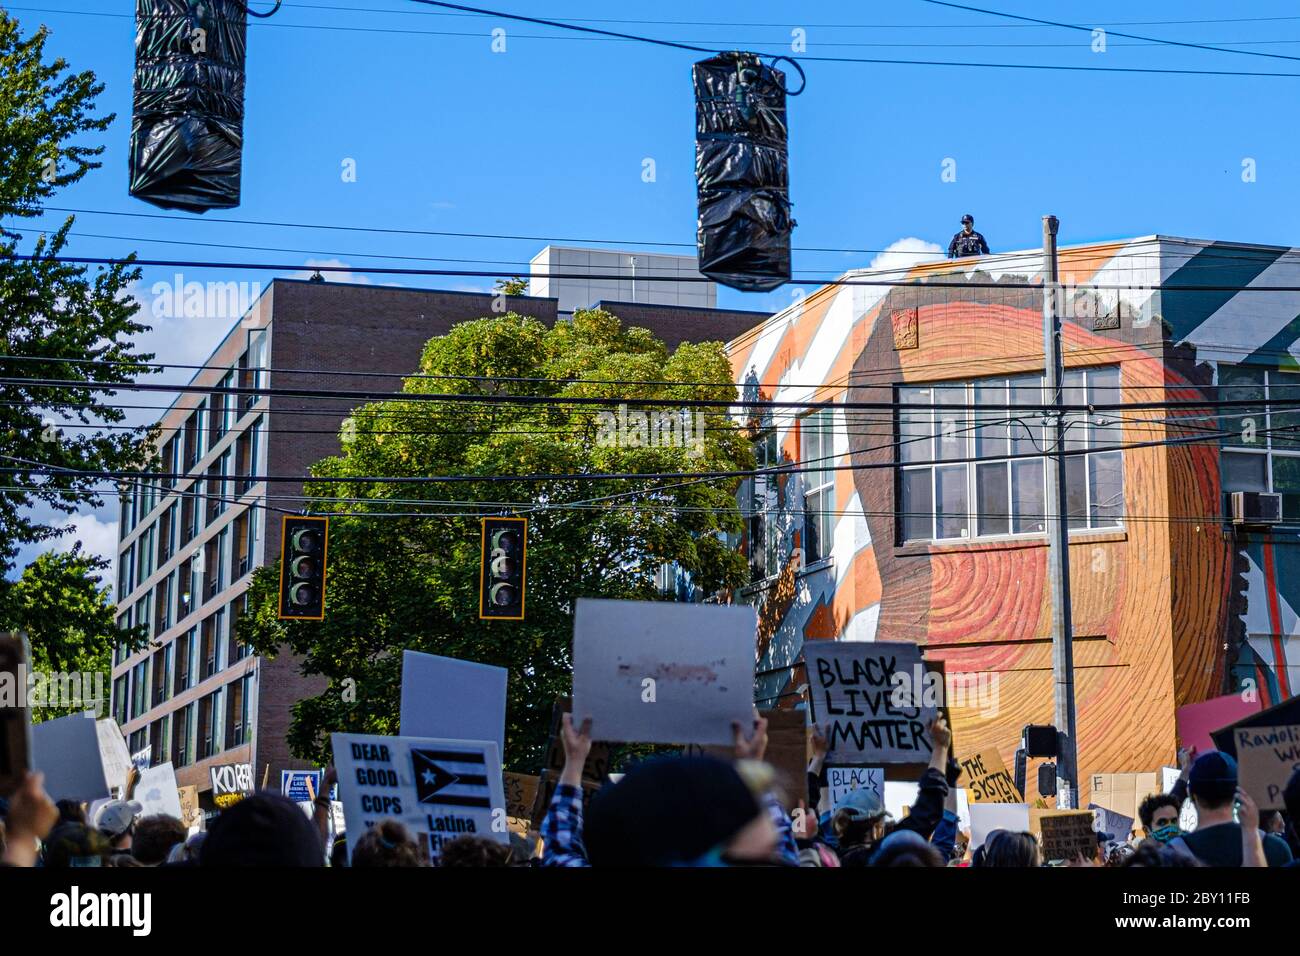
{"x": 1264, "y": 442}
{"x": 763, "y": 509}
{"x": 208, "y": 734}
{"x": 139, "y": 689}
{"x": 183, "y": 739}
{"x": 238, "y": 650}
{"x": 944, "y": 496}
{"x": 162, "y": 674}
{"x": 120, "y": 686}
{"x": 160, "y": 738}
{"x": 162, "y": 605}
{"x": 184, "y": 663}
{"x": 238, "y": 707}
{"x": 816, "y": 435}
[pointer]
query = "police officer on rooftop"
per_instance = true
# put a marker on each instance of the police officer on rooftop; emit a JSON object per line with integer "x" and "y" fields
{"x": 968, "y": 242}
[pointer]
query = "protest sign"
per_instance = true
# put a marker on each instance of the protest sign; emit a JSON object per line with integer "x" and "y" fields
{"x": 113, "y": 754}
{"x": 439, "y": 788}
{"x": 142, "y": 759}
{"x": 1187, "y": 815}
{"x": 521, "y": 794}
{"x": 231, "y": 783}
{"x": 787, "y": 753}
{"x": 156, "y": 792}
{"x": 901, "y": 794}
{"x": 596, "y": 767}
{"x": 1285, "y": 714}
{"x": 988, "y": 780}
{"x": 1117, "y": 825}
{"x": 987, "y": 817}
{"x": 191, "y": 814}
{"x": 1267, "y": 757}
{"x": 841, "y": 781}
{"x": 1195, "y": 722}
{"x": 1064, "y": 834}
{"x": 66, "y": 750}
{"x": 663, "y": 671}
{"x": 876, "y": 700}
{"x": 1123, "y": 792}
{"x": 546, "y": 785}
{"x": 300, "y": 785}
{"x": 453, "y": 699}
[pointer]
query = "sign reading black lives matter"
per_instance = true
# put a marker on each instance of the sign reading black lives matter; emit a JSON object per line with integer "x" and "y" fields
{"x": 440, "y": 789}
{"x": 877, "y": 698}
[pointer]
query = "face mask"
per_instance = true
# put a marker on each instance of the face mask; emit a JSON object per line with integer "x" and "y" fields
{"x": 1166, "y": 833}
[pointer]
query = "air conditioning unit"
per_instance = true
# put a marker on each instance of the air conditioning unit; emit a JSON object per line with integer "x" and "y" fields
{"x": 1256, "y": 508}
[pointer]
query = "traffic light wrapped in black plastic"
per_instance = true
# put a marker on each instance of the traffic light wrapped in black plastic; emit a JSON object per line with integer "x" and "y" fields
{"x": 742, "y": 172}
{"x": 187, "y": 124}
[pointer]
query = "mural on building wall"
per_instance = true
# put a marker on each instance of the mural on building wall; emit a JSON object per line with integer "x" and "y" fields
{"x": 1155, "y": 600}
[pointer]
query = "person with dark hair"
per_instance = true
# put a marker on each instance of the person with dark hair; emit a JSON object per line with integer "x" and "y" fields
{"x": 265, "y": 829}
{"x": 475, "y": 851}
{"x": 76, "y": 845}
{"x": 1153, "y": 853}
{"x": 387, "y": 843}
{"x": 669, "y": 811}
{"x": 1159, "y": 816}
{"x": 71, "y": 811}
{"x": 154, "y": 838}
{"x": 1218, "y": 839}
{"x": 1007, "y": 848}
{"x": 907, "y": 848}
{"x": 967, "y": 242}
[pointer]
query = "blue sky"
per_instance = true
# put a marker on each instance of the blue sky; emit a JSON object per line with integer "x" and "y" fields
{"x": 549, "y": 137}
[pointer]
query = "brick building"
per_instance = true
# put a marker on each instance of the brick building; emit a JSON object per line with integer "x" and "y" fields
{"x": 188, "y": 545}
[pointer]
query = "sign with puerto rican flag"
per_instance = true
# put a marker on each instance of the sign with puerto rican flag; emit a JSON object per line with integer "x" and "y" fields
{"x": 440, "y": 789}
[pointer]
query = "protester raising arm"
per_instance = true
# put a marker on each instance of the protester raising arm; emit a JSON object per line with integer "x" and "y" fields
{"x": 754, "y": 747}
{"x": 321, "y": 805}
{"x": 1252, "y": 843}
{"x": 932, "y": 788}
{"x": 562, "y": 827}
{"x": 32, "y": 814}
{"x": 817, "y": 766}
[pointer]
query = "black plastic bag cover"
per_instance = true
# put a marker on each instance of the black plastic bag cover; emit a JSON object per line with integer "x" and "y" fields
{"x": 187, "y": 125}
{"x": 742, "y": 172}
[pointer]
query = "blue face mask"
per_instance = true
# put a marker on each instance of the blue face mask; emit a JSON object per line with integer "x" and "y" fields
{"x": 711, "y": 859}
{"x": 1166, "y": 833}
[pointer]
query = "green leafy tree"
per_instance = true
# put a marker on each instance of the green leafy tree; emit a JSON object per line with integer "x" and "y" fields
{"x": 58, "y": 320}
{"x": 68, "y": 617}
{"x": 404, "y": 558}
{"x": 513, "y": 286}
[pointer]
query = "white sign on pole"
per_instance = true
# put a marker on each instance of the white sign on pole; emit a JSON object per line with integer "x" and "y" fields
{"x": 987, "y": 817}
{"x": 157, "y": 793}
{"x": 441, "y": 789}
{"x": 66, "y": 750}
{"x": 453, "y": 699}
{"x": 113, "y": 754}
{"x": 663, "y": 671}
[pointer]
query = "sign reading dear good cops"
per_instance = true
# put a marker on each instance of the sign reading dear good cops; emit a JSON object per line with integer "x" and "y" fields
{"x": 440, "y": 789}
{"x": 663, "y": 672}
{"x": 876, "y": 700}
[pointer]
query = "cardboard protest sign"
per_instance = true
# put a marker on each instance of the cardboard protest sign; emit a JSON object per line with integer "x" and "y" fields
{"x": 1123, "y": 792}
{"x": 231, "y": 783}
{"x": 1117, "y": 825}
{"x": 596, "y": 767}
{"x": 156, "y": 792}
{"x": 546, "y": 785}
{"x": 1267, "y": 757}
{"x": 841, "y": 781}
{"x": 191, "y": 814}
{"x": 988, "y": 780}
{"x": 1195, "y": 722}
{"x": 987, "y": 817}
{"x": 521, "y": 794}
{"x": 876, "y": 700}
{"x": 1064, "y": 834}
{"x": 66, "y": 750}
{"x": 787, "y": 753}
{"x": 453, "y": 699}
{"x": 439, "y": 788}
{"x": 113, "y": 754}
{"x": 300, "y": 785}
{"x": 663, "y": 671}
{"x": 1285, "y": 714}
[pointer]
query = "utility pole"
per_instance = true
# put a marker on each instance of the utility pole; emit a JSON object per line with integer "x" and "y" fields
{"x": 1058, "y": 534}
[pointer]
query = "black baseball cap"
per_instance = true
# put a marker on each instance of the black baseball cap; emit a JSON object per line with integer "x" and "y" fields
{"x": 967, "y": 218}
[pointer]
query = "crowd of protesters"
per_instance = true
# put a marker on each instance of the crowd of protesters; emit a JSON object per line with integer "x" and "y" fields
{"x": 668, "y": 811}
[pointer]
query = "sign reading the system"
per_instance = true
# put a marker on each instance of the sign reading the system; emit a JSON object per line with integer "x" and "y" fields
{"x": 440, "y": 789}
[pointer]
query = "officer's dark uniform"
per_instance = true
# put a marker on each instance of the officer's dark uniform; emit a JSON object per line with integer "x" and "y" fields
{"x": 963, "y": 245}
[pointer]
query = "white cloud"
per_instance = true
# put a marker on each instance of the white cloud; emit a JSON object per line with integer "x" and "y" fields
{"x": 907, "y": 252}
{"x": 97, "y": 537}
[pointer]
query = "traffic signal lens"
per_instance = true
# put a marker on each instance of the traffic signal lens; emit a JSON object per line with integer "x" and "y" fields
{"x": 502, "y": 595}
{"x": 306, "y": 540}
{"x": 302, "y": 594}
{"x": 304, "y": 567}
{"x": 505, "y": 540}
